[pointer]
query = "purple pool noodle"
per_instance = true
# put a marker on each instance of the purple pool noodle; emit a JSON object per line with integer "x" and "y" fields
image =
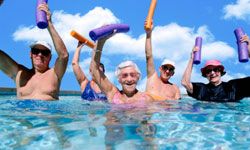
{"x": 103, "y": 31}
{"x": 197, "y": 54}
{"x": 41, "y": 17}
{"x": 242, "y": 47}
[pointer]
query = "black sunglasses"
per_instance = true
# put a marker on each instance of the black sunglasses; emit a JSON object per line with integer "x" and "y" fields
{"x": 169, "y": 68}
{"x": 36, "y": 51}
{"x": 215, "y": 69}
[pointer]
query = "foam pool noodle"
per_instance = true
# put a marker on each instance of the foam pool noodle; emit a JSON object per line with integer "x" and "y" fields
{"x": 243, "y": 53}
{"x": 197, "y": 54}
{"x": 82, "y": 39}
{"x": 41, "y": 17}
{"x": 107, "y": 30}
{"x": 150, "y": 14}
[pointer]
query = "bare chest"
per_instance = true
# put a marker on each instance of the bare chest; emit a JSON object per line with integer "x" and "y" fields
{"x": 37, "y": 85}
{"x": 162, "y": 90}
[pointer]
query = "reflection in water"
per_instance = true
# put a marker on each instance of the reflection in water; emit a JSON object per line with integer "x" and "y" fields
{"x": 73, "y": 124}
{"x": 129, "y": 126}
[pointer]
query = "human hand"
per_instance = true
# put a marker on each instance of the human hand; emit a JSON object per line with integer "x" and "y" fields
{"x": 244, "y": 38}
{"x": 81, "y": 44}
{"x": 45, "y": 7}
{"x": 148, "y": 31}
{"x": 195, "y": 49}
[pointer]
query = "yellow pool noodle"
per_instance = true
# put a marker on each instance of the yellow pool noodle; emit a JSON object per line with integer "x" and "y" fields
{"x": 150, "y": 14}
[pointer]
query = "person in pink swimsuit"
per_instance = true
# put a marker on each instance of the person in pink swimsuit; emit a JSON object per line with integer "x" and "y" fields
{"x": 128, "y": 75}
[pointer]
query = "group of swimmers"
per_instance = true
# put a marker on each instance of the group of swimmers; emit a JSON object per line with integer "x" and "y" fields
{"x": 42, "y": 82}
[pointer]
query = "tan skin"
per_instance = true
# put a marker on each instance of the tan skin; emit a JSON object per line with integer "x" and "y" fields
{"x": 213, "y": 77}
{"x": 129, "y": 94}
{"x": 158, "y": 85}
{"x": 40, "y": 82}
{"x": 80, "y": 76}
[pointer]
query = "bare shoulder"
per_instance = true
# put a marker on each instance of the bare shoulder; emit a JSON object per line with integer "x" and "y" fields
{"x": 176, "y": 87}
{"x": 147, "y": 96}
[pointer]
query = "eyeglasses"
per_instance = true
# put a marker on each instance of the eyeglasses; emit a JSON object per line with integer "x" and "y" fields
{"x": 216, "y": 69}
{"x": 36, "y": 51}
{"x": 169, "y": 68}
{"x": 125, "y": 75}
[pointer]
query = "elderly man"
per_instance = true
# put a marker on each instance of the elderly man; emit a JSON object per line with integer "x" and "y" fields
{"x": 159, "y": 87}
{"x": 39, "y": 82}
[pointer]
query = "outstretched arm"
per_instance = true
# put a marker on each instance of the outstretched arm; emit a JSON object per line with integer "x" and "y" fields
{"x": 99, "y": 77}
{"x": 80, "y": 76}
{"x": 187, "y": 74}
{"x": 62, "y": 59}
{"x": 148, "y": 51}
{"x": 8, "y": 65}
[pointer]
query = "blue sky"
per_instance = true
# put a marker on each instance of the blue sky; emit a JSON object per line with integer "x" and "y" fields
{"x": 176, "y": 25}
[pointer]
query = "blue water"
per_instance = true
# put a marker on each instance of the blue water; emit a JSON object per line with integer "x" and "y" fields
{"x": 71, "y": 123}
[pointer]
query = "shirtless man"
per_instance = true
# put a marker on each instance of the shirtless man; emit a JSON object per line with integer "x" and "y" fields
{"x": 159, "y": 87}
{"x": 39, "y": 82}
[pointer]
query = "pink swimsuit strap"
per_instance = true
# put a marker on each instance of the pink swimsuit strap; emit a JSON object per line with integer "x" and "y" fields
{"x": 117, "y": 98}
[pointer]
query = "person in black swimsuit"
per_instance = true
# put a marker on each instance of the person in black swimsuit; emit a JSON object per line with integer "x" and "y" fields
{"x": 216, "y": 90}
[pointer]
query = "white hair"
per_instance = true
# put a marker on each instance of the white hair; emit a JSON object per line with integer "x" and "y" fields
{"x": 125, "y": 64}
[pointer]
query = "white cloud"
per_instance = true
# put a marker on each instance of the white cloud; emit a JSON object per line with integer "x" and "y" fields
{"x": 65, "y": 23}
{"x": 170, "y": 41}
{"x": 239, "y": 10}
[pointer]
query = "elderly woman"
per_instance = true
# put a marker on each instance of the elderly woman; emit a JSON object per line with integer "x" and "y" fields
{"x": 128, "y": 75}
{"x": 90, "y": 90}
{"x": 216, "y": 90}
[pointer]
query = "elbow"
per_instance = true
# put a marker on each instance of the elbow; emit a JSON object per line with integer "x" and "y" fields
{"x": 74, "y": 63}
{"x": 64, "y": 56}
{"x": 184, "y": 82}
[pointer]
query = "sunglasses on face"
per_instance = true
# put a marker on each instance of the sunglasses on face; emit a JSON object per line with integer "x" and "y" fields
{"x": 216, "y": 69}
{"x": 169, "y": 68}
{"x": 36, "y": 51}
{"x": 125, "y": 75}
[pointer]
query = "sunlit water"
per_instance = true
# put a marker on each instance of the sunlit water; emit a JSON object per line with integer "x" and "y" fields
{"x": 72, "y": 123}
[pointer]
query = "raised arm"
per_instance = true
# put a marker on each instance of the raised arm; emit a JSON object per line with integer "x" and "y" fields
{"x": 148, "y": 52}
{"x": 99, "y": 77}
{"x": 187, "y": 74}
{"x": 62, "y": 59}
{"x": 8, "y": 65}
{"x": 80, "y": 76}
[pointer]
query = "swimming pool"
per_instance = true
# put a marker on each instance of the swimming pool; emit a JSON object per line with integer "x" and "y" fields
{"x": 71, "y": 123}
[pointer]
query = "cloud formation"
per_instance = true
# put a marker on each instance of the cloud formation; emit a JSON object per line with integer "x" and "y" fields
{"x": 239, "y": 10}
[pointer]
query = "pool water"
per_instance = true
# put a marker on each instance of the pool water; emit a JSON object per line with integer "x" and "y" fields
{"x": 72, "y": 123}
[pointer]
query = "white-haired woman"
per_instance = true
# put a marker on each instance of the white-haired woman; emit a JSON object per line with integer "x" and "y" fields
{"x": 128, "y": 75}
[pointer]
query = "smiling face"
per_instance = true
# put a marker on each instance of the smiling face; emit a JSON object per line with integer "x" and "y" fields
{"x": 128, "y": 79}
{"x": 40, "y": 57}
{"x": 213, "y": 74}
{"x": 166, "y": 72}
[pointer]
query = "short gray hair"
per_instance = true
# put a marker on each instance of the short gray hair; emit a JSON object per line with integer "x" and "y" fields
{"x": 125, "y": 64}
